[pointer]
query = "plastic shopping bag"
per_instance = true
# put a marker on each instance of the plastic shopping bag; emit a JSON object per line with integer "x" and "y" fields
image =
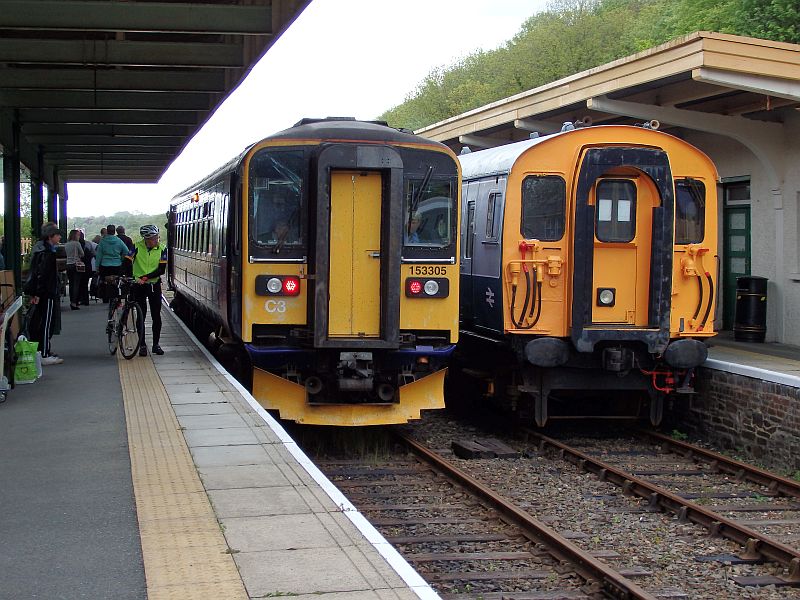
{"x": 29, "y": 363}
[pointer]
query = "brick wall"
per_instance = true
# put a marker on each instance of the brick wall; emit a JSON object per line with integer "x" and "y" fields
{"x": 751, "y": 418}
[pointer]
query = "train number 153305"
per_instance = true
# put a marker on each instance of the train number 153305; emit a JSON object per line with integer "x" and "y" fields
{"x": 428, "y": 271}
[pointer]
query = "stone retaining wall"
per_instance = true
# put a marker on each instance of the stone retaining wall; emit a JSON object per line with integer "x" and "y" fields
{"x": 755, "y": 419}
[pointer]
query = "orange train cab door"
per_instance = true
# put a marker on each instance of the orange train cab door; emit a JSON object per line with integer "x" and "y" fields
{"x": 622, "y": 250}
{"x": 354, "y": 302}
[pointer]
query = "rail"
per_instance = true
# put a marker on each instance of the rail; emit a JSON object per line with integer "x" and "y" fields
{"x": 611, "y": 582}
{"x": 756, "y": 544}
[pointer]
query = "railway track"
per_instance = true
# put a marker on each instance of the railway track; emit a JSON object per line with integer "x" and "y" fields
{"x": 468, "y": 541}
{"x": 756, "y": 509}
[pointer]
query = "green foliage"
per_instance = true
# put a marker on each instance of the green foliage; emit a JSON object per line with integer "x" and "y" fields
{"x": 571, "y": 36}
{"x": 131, "y": 221}
{"x": 678, "y": 435}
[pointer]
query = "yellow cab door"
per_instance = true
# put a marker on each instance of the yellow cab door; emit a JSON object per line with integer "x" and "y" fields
{"x": 354, "y": 306}
{"x": 622, "y": 249}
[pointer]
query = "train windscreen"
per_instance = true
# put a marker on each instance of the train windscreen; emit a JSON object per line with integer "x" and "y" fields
{"x": 277, "y": 199}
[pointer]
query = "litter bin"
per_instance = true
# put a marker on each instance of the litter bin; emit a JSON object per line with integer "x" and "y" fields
{"x": 750, "y": 322}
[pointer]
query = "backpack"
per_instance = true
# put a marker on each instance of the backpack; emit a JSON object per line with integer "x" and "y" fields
{"x": 33, "y": 275}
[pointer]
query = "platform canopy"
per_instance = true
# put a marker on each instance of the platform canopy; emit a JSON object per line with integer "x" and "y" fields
{"x": 711, "y": 82}
{"x": 101, "y": 91}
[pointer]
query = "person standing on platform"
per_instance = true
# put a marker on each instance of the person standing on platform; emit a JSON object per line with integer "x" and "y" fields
{"x": 121, "y": 235}
{"x": 88, "y": 259}
{"x": 43, "y": 288}
{"x": 75, "y": 267}
{"x": 148, "y": 263}
{"x": 110, "y": 252}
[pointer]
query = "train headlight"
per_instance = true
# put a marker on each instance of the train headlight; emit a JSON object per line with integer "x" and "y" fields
{"x": 274, "y": 285}
{"x": 606, "y": 296}
{"x": 431, "y": 287}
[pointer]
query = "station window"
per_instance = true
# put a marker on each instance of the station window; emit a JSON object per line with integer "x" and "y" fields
{"x": 544, "y": 202}
{"x": 690, "y": 208}
{"x": 615, "y": 210}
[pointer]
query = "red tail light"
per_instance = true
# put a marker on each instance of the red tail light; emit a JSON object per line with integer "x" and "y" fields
{"x": 291, "y": 286}
{"x": 427, "y": 287}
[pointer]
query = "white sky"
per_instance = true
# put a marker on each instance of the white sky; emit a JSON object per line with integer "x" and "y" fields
{"x": 354, "y": 58}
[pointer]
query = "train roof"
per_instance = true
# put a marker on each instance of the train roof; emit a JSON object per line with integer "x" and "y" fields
{"x": 496, "y": 161}
{"x": 501, "y": 159}
{"x": 348, "y": 128}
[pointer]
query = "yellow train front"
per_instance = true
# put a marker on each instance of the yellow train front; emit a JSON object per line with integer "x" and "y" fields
{"x": 330, "y": 273}
{"x": 589, "y": 267}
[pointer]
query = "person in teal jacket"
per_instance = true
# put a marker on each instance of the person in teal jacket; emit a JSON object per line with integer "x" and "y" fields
{"x": 109, "y": 256}
{"x": 148, "y": 261}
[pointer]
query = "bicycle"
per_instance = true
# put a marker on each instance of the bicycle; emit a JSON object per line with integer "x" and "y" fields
{"x": 124, "y": 319}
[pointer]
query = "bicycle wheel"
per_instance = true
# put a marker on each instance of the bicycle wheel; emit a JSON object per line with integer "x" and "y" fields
{"x": 111, "y": 325}
{"x": 129, "y": 327}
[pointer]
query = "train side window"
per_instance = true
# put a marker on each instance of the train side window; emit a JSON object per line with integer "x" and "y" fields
{"x": 492, "y": 209}
{"x": 470, "y": 229}
{"x": 615, "y": 210}
{"x": 224, "y": 228}
{"x": 690, "y": 209}
{"x": 544, "y": 202}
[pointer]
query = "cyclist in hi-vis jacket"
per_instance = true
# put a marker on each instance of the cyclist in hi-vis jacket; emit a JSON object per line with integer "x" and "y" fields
{"x": 148, "y": 260}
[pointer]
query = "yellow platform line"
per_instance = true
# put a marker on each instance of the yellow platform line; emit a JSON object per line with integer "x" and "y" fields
{"x": 184, "y": 551}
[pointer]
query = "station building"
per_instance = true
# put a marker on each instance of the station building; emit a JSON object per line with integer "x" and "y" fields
{"x": 735, "y": 98}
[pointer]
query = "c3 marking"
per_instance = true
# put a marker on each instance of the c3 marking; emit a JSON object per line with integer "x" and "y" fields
{"x": 273, "y": 306}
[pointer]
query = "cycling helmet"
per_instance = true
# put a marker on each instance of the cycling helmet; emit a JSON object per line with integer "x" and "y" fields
{"x": 148, "y": 231}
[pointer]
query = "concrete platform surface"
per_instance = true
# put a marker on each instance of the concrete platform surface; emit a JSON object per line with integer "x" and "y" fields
{"x": 776, "y": 363}
{"x": 288, "y": 529}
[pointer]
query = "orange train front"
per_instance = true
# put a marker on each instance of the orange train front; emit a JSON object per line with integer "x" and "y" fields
{"x": 589, "y": 263}
{"x": 322, "y": 265}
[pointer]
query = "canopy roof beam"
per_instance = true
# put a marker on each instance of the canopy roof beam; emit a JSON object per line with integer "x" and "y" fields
{"x": 70, "y": 15}
{"x": 111, "y": 100}
{"x": 98, "y": 116}
{"x": 141, "y": 80}
{"x": 121, "y": 53}
{"x": 759, "y": 84}
{"x": 480, "y": 141}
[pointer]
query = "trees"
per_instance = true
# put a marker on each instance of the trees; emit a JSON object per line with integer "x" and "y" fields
{"x": 131, "y": 221}
{"x": 575, "y": 35}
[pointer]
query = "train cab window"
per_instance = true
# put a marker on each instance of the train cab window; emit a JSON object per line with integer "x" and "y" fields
{"x": 615, "y": 210}
{"x": 690, "y": 208}
{"x": 276, "y": 199}
{"x": 429, "y": 214}
{"x": 544, "y": 202}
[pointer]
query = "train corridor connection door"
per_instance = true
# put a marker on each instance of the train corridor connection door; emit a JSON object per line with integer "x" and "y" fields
{"x": 354, "y": 305}
{"x": 622, "y": 250}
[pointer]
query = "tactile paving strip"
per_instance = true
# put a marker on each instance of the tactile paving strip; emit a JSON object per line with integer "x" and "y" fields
{"x": 184, "y": 551}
